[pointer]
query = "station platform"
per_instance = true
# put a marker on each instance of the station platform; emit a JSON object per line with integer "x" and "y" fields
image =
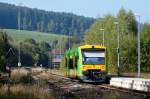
{"x": 139, "y": 84}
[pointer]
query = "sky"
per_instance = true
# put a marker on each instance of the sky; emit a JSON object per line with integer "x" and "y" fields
{"x": 89, "y": 8}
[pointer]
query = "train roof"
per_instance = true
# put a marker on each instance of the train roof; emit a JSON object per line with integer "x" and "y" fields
{"x": 74, "y": 51}
{"x": 92, "y": 46}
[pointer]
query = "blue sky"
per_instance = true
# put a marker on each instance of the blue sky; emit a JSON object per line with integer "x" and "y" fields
{"x": 89, "y": 8}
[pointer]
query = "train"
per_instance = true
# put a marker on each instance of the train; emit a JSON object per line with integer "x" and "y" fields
{"x": 87, "y": 63}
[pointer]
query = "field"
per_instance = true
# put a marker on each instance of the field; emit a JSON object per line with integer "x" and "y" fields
{"x": 20, "y": 35}
{"x": 21, "y": 87}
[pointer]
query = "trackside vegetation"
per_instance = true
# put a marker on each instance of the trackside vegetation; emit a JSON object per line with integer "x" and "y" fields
{"x": 128, "y": 30}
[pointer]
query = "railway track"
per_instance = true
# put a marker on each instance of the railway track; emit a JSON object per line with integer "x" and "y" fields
{"x": 77, "y": 88}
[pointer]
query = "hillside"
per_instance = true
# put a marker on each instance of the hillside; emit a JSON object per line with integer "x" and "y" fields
{"x": 43, "y": 21}
{"x": 20, "y": 35}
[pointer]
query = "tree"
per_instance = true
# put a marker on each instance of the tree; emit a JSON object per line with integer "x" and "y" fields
{"x": 44, "y": 21}
{"x": 145, "y": 48}
{"x": 127, "y": 32}
{"x": 4, "y": 47}
{"x": 44, "y": 46}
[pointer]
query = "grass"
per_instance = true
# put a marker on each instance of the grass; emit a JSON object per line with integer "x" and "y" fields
{"x": 21, "y": 88}
{"x": 20, "y": 76}
{"x": 24, "y": 92}
{"x": 20, "y": 35}
{"x": 45, "y": 74}
{"x": 143, "y": 75}
{"x": 36, "y": 70}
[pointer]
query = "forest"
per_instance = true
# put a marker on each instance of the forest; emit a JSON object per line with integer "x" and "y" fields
{"x": 14, "y": 17}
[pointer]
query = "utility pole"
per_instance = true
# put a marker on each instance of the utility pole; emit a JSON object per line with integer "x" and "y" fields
{"x": 54, "y": 57}
{"x": 19, "y": 62}
{"x": 19, "y": 27}
{"x": 69, "y": 40}
{"x": 139, "y": 61}
{"x": 117, "y": 27}
{"x": 60, "y": 50}
{"x": 103, "y": 36}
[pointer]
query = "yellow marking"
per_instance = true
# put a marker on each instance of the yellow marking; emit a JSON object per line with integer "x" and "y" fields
{"x": 90, "y": 46}
{"x": 86, "y": 46}
{"x": 100, "y": 47}
{"x": 87, "y": 67}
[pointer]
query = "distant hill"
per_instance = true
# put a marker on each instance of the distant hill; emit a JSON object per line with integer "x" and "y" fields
{"x": 43, "y": 21}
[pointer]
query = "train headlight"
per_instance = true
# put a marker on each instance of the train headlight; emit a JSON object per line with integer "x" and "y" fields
{"x": 84, "y": 67}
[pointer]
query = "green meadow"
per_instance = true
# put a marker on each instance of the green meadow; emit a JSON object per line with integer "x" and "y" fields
{"x": 20, "y": 35}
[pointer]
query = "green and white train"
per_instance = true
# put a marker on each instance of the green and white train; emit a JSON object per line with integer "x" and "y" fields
{"x": 88, "y": 63}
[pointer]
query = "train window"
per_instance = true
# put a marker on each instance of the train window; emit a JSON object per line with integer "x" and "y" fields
{"x": 71, "y": 63}
{"x": 76, "y": 61}
{"x": 94, "y": 60}
{"x": 66, "y": 64}
{"x": 93, "y": 54}
{"x": 93, "y": 57}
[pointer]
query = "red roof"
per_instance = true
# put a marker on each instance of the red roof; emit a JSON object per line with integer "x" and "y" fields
{"x": 57, "y": 51}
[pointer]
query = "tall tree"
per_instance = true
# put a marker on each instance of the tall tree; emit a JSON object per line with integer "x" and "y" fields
{"x": 127, "y": 30}
{"x": 4, "y": 47}
{"x": 145, "y": 48}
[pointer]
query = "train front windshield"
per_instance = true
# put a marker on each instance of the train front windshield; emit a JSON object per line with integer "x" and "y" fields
{"x": 93, "y": 56}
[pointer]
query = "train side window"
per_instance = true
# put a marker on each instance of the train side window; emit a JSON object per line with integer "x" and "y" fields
{"x": 76, "y": 61}
{"x": 66, "y": 64}
{"x": 71, "y": 63}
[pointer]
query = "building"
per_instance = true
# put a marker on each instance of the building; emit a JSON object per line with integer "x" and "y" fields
{"x": 56, "y": 57}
